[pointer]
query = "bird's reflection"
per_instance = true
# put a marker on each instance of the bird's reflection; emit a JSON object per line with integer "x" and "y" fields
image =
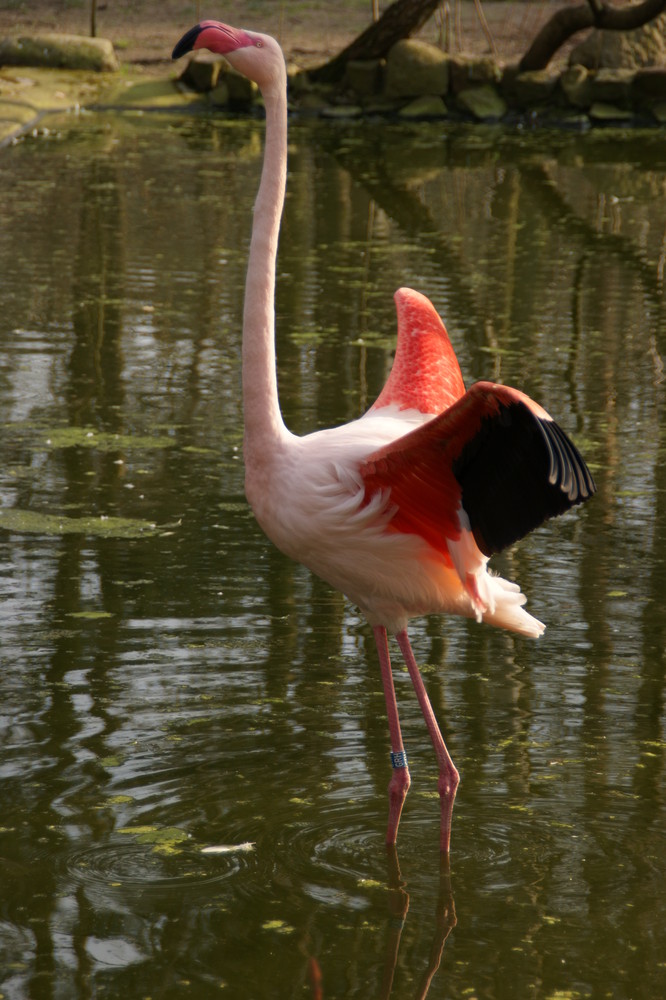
{"x": 444, "y": 921}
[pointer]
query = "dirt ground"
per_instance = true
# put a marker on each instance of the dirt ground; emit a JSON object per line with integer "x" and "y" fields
{"x": 145, "y": 31}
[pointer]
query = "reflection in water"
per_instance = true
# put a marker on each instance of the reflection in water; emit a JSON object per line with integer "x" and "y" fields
{"x": 166, "y": 692}
{"x": 443, "y": 922}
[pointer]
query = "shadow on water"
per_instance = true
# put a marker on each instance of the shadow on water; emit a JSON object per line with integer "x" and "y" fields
{"x": 193, "y": 743}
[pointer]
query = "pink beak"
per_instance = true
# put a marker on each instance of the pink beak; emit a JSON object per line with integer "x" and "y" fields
{"x": 212, "y": 35}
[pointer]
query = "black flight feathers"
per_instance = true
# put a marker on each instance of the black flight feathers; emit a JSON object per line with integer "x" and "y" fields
{"x": 515, "y": 472}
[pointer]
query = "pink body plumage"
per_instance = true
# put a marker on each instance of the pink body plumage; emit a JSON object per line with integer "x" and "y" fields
{"x": 400, "y": 509}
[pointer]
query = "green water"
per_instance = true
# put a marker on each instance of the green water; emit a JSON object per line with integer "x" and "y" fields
{"x": 170, "y": 683}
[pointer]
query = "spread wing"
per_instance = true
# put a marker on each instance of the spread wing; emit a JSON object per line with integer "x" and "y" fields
{"x": 496, "y": 453}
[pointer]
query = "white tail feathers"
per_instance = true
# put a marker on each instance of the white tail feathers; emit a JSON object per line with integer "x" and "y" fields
{"x": 493, "y": 599}
{"x": 507, "y": 609}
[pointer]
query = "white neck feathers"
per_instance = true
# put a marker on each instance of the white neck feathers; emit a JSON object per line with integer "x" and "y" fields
{"x": 261, "y": 410}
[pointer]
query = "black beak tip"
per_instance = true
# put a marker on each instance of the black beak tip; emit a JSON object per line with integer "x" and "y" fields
{"x": 186, "y": 44}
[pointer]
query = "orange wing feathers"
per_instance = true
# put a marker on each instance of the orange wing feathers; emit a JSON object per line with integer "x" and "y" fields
{"x": 496, "y": 454}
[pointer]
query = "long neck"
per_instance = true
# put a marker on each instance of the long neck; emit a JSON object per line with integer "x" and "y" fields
{"x": 261, "y": 409}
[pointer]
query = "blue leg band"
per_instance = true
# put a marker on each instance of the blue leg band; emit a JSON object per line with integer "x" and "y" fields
{"x": 398, "y": 758}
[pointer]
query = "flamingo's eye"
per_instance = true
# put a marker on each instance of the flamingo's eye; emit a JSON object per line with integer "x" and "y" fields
{"x": 259, "y": 43}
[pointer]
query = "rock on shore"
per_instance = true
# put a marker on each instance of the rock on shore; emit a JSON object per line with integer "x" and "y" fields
{"x": 59, "y": 52}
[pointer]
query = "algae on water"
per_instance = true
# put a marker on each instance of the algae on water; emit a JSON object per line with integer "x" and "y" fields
{"x": 34, "y": 522}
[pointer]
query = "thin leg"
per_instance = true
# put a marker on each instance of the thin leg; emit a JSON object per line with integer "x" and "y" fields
{"x": 448, "y": 775}
{"x": 399, "y": 782}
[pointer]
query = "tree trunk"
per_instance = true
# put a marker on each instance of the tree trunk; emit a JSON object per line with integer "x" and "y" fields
{"x": 595, "y": 14}
{"x": 400, "y": 20}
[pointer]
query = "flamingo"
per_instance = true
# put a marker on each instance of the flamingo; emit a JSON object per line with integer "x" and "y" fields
{"x": 402, "y": 508}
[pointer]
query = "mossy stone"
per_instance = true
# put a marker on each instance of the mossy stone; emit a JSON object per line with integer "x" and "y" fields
{"x": 428, "y": 106}
{"x": 415, "y": 68}
{"x": 484, "y": 103}
{"x": 59, "y": 51}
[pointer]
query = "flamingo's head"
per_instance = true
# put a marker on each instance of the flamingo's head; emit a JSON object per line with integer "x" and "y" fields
{"x": 256, "y": 56}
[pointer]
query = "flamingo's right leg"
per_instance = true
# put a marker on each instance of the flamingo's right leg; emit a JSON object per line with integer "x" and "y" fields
{"x": 399, "y": 783}
{"x": 448, "y": 773}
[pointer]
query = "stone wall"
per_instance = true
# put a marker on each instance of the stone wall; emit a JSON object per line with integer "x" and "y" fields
{"x": 419, "y": 81}
{"x": 411, "y": 83}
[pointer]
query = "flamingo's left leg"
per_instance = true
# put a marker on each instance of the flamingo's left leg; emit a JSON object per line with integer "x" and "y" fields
{"x": 399, "y": 783}
{"x": 448, "y": 774}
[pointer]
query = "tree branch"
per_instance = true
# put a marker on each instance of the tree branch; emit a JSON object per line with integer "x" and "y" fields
{"x": 400, "y": 20}
{"x": 594, "y": 14}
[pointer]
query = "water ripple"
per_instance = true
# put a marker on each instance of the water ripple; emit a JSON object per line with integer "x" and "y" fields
{"x": 145, "y": 868}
